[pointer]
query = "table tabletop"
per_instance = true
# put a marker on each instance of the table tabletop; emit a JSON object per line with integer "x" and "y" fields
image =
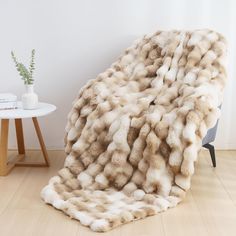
{"x": 42, "y": 110}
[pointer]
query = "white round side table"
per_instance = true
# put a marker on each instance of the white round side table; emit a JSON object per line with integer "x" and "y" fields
{"x": 19, "y": 114}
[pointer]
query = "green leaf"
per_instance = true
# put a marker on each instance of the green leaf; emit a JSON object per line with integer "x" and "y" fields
{"x": 26, "y": 74}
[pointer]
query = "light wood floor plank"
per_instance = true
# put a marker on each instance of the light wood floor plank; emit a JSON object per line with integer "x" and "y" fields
{"x": 19, "y": 222}
{"x": 217, "y": 209}
{"x": 184, "y": 220}
{"x": 54, "y": 222}
{"x": 151, "y": 226}
{"x": 10, "y": 184}
{"x": 226, "y": 172}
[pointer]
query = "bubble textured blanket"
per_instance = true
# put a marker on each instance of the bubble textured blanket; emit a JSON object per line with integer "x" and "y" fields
{"x": 134, "y": 133}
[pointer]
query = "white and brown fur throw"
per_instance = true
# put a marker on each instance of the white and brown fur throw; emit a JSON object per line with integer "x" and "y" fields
{"x": 134, "y": 132}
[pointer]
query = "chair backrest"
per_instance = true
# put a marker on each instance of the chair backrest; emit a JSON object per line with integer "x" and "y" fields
{"x": 211, "y": 133}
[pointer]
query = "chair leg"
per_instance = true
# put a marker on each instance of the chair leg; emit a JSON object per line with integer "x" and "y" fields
{"x": 211, "y": 149}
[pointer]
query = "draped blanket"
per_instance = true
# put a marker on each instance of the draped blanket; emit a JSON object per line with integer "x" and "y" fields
{"x": 134, "y": 133}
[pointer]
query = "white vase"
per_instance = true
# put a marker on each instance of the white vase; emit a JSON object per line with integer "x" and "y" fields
{"x": 30, "y": 98}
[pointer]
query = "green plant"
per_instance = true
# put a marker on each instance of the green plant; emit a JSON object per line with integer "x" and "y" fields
{"x": 26, "y": 74}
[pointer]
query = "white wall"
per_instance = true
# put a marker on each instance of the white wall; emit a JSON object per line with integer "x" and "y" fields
{"x": 75, "y": 40}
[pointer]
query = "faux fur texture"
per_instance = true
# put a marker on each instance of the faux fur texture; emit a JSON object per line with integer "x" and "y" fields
{"x": 134, "y": 132}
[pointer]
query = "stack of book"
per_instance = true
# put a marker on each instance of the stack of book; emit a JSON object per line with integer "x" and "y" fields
{"x": 8, "y": 101}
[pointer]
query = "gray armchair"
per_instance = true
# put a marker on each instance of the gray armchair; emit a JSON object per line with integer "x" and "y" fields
{"x": 209, "y": 138}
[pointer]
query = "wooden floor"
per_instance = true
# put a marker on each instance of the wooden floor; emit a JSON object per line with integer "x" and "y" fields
{"x": 209, "y": 209}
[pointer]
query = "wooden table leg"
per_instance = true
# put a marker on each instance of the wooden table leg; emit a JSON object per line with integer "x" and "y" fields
{"x": 4, "y": 166}
{"x": 41, "y": 142}
{"x": 20, "y": 136}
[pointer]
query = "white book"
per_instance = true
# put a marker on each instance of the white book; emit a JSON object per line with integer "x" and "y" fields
{"x": 8, "y": 105}
{"x": 7, "y": 97}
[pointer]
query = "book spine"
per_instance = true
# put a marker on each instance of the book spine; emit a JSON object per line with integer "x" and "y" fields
{"x": 7, "y": 100}
{"x": 8, "y": 105}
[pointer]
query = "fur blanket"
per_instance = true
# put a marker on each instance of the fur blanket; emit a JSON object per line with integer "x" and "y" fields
{"x": 134, "y": 132}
